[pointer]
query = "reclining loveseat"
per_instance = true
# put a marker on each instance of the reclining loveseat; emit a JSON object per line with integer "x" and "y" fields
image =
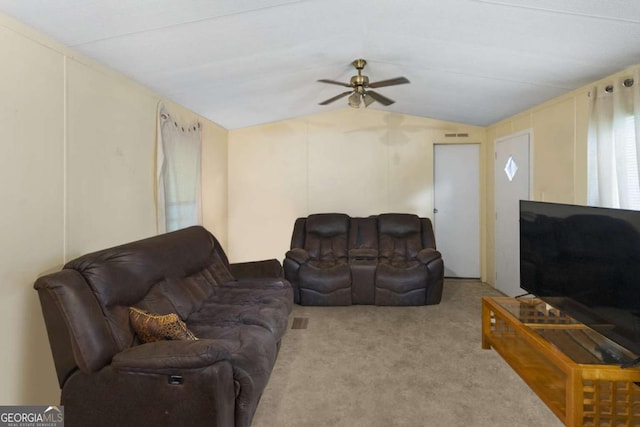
{"x": 387, "y": 259}
{"x": 225, "y": 322}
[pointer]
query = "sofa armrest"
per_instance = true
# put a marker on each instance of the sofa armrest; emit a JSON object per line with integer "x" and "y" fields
{"x": 160, "y": 355}
{"x": 428, "y": 255}
{"x": 363, "y": 254}
{"x": 298, "y": 255}
{"x": 269, "y": 268}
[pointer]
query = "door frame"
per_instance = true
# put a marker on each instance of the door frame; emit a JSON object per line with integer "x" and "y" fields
{"x": 529, "y": 132}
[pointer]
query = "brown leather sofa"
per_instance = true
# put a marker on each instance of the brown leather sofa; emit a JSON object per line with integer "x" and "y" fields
{"x": 107, "y": 377}
{"x": 387, "y": 259}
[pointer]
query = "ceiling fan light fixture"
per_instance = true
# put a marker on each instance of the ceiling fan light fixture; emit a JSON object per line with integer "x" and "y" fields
{"x": 354, "y": 100}
{"x": 367, "y": 100}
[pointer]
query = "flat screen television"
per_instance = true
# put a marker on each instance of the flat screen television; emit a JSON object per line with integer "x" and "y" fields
{"x": 585, "y": 261}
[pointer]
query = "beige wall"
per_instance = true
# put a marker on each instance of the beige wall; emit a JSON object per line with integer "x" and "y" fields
{"x": 77, "y": 166}
{"x": 356, "y": 161}
{"x": 31, "y": 226}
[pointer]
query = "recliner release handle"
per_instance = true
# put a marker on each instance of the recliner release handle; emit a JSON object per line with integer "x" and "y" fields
{"x": 175, "y": 379}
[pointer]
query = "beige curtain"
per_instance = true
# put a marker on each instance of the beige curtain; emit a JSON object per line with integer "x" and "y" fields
{"x": 614, "y": 143}
{"x": 179, "y": 150}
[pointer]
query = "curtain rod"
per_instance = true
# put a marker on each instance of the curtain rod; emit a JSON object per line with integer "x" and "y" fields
{"x": 628, "y": 82}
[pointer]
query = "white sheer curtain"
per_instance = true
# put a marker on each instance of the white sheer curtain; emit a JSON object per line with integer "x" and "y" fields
{"x": 178, "y": 198}
{"x": 614, "y": 143}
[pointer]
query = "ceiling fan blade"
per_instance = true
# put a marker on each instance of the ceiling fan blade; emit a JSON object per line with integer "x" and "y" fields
{"x": 390, "y": 82}
{"x": 335, "y": 98}
{"x": 381, "y": 99}
{"x": 333, "y": 82}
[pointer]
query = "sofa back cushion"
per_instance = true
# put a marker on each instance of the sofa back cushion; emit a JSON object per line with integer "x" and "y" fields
{"x": 428, "y": 237}
{"x": 159, "y": 273}
{"x": 326, "y": 236}
{"x": 399, "y": 236}
{"x": 297, "y": 237}
{"x": 363, "y": 233}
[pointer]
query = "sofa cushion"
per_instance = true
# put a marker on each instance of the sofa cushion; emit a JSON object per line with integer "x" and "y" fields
{"x": 253, "y": 351}
{"x": 328, "y": 225}
{"x": 363, "y": 234}
{"x": 230, "y": 305}
{"x": 398, "y": 225}
{"x": 326, "y": 237}
{"x": 178, "y": 295}
{"x": 265, "y": 288}
{"x": 150, "y": 327}
{"x": 326, "y": 277}
{"x": 145, "y": 263}
{"x": 399, "y": 236}
{"x": 220, "y": 269}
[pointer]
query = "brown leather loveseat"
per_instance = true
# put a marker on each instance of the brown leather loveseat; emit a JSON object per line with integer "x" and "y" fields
{"x": 238, "y": 312}
{"x": 387, "y": 259}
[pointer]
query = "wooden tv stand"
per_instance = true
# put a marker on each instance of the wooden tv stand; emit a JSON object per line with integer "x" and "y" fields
{"x": 562, "y": 361}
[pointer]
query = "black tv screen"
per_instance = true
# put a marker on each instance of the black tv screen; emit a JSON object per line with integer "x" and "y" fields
{"x": 585, "y": 261}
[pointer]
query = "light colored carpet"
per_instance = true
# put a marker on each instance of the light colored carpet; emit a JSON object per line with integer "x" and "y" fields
{"x": 374, "y": 366}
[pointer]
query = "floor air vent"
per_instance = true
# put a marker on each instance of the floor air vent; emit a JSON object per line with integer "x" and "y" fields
{"x": 300, "y": 323}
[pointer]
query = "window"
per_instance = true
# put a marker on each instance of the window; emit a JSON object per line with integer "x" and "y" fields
{"x": 630, "y": 181}
{"x": 178, "y": 173}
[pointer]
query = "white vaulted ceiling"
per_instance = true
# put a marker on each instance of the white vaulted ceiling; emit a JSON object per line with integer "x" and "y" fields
{"x": 247, "y": 62}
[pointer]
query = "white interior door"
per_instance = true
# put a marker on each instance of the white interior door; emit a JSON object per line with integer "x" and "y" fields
{"x": 512, "y": 184}
{"x": 457, "y": 208}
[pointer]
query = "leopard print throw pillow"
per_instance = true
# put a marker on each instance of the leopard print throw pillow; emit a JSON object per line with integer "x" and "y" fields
{"x": 152, "y": 327}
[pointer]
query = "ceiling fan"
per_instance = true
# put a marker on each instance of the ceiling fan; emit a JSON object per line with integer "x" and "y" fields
{"x": 360, "y": 85}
